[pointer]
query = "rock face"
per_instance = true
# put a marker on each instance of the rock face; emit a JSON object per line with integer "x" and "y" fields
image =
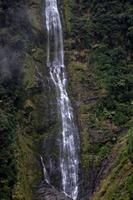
{"x": 47, "y": 192}
{"x": 29, "y": 122}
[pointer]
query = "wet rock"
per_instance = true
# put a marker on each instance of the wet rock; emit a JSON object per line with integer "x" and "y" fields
{"x": 48, "y": 192}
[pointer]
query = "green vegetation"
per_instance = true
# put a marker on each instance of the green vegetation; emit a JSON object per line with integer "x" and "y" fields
{"x": 10, "y": 92}
{"x": 98, "y": 55}
{"x": 7, "y": 145}
{"x": 118, "y": 181}
{"x": 106, "y": 29}
{"x": 19, "y": 137}
{"x": 130, "y": 144}
{"x": 101, "y": 73}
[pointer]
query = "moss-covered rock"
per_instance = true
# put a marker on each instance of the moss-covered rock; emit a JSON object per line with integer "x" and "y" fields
{"x": 27, "y": 166}
{"x": 34, "y": 13}
{"x": 118, "y": 179}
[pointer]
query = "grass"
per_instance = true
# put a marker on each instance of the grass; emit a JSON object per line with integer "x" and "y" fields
{"x": 118, "y": 180}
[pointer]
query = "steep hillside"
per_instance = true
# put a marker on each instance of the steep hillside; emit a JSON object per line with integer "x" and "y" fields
{"x": 98, "y": 57}
{"x": 118, "y": 177}
{"x": 21, "y": 93}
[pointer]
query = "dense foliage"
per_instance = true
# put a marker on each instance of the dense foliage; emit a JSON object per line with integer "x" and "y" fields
{"x": 8, "y": 99}
{"x": 112, "y": 57}
{"x": 106, "y": 28}
{"x": 102, "y": 32}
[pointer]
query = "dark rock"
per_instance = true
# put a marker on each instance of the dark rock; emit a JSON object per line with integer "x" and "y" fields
{"x": 48, "y": 192}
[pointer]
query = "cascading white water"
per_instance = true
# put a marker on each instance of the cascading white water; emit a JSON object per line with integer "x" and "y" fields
{"x": 70, "y": 140}
{"x": 46, "y": 177}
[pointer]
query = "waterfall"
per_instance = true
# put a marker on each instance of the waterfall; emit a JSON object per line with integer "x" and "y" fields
{"x": 45, "y": 174}
{"x": 69, "y": 134}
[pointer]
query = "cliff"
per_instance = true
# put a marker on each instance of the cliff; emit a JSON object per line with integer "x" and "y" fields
{"x": 98, "y": 58}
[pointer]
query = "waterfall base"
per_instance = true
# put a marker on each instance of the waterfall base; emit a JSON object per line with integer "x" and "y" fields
{"x": 48, "y": 192}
